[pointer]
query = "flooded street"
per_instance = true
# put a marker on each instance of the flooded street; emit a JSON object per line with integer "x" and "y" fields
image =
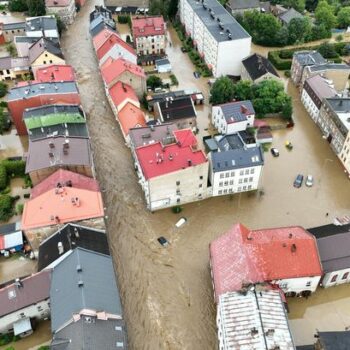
{"x": 12, "y": 145}
{"x": 167, "y": 293}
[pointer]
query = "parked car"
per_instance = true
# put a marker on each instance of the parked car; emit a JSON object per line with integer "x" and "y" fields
{"x": 163, "y": 241}
{"x": 298, "y": 181}
{"x": 197, "y": 75}
{"x": 309, "y": 181}
{"x": 275, "y": 152}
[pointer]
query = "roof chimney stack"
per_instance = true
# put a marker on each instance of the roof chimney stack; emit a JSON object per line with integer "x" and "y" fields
{"x": 18, "y": 283}
{"x": 60, "y": 248}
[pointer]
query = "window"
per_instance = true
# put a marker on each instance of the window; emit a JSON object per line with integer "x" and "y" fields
{"x": 200, "y": 185}
{"x": 249, "y": 187}
{"x": 240, "y": 181}
{"x": 345, "y": 276}
{"x": 252, "y": 170}
{"x": 221, "y": 176}
{"x": 220, "y": 192}
{"x": 178, "y": 200}
{"x": 177, "y": 183}
{"x": 245, "y": 180}
{"x": 232, "y": 173}
{"x": 51, "y": 61}
{"x": 220, "y": 183}
{"x": 241, "y": 172}
{"x": 244, "y": 188}
{"x": 247, "y": 171}
{"x": 225, "y": 183}
{"x": 225, "y": 191}
{"x": 308, "y": 284}
{"x": 44, "y": 62}
{"x": 230, "y": 190}
{"x": 231, "y": 182}
{"x": 239, "y": 189}
{"x": 46, "y": 55}
{"x": 201, "y": 178}
{"x": 227, "y": 174}
{"x": 334, "y": 278}
{"x": 251, "y": 179}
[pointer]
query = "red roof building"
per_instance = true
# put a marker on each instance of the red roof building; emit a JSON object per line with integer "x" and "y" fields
{"x": 63, "y": 178}
{"x": 55, "y": 72}
{"x": 120, "y": 94}
{"x": 285, "y": 256}
{"x": 101, "y": 37}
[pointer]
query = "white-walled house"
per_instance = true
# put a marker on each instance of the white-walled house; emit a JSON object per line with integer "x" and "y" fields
{"x": 334, "y": 249}
{"x": 220, "y": 40}
{"x": 233, "y": 117}
{"x": 25, "y": 300}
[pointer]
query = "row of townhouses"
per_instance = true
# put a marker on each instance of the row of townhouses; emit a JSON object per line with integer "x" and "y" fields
{"x": 62, "y": 223}
{"x": 323, "y": 86}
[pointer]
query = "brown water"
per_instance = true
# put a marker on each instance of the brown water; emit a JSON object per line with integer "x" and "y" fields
{"x": 12, "y": 145}
{"x": 167, "y": 293}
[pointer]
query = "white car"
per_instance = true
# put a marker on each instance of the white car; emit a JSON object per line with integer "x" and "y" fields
{"x": 309, "y": 181}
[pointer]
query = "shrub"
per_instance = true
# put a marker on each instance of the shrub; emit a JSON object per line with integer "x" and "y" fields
{"x": 123, "y": 19}
{"x": 280, "y": 64}
{"x": 19, "y": 208}
{"x": 3, "y": 104}
{"x": 173, "y": 79}
{"x": 3, "y": 177}
{"x": 6, "y": 207}
{"x": 14, "y": 167}
{"x": 154, "y": 81}
{"x": 3, "y": 89}
{"x": 339, "y": 38}
{"x": 176, "y": 209}
{"x": 287, "y": 73}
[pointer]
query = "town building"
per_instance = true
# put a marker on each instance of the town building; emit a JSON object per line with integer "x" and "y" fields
{"x": 14, "y": 68}
{"x": 48, "y": 212}
{"x": 98, "y": 25}
{"x": 42, "y": 26}
{"x": 255, "y": 319}
{"x": 344, "y": 156}
{"x": 232, "y": 117}
{"x": 23, "y": 301}
{"x": 131, "y": 6}
{"x": 101, "y": 15}
{"x": 172, "y": 173}
{"x": 121, "y": 94}
{"x": 315, "y": 89}
{"x": 83, "y": 284}
{"x": 240, "y": 6}
{"x": 65, "y": 10}
{"x": 11, "y": 238}
{"x": 180, "y": 111}
{"x": 285, "y": 257}
{"x": 54, "y": 72}
{"x": 108, "y": 44}
{"x": 22, "y": 44}
{"x": 257, "y": 68}
{"x": 38, "y": 94}
{"x": 10, "y": 30}
{"x": 338, "y": 73}
{"x": 287, "y": 16}
{"x": 235, "y": 165}
{"x": 70, "y": 237}
{"x": 334, "y": 249}
{"x": 47, "y": 155}
{"x": 149, "y": 34}
{"x": 101, "y": 11}
{"x": 121, "y": 70}
{"x": 215, "y": 32}
{"x": 44, "y": 52}
{"x": 302, "y": 59}
{"x": 333, "y": 340}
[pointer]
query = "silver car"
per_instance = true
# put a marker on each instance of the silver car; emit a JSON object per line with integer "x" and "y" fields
{"x": 309, "y": 181}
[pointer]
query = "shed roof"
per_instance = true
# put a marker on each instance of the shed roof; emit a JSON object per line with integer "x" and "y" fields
{"x": 244, "y": 4}
{"x": 289, "y": 15}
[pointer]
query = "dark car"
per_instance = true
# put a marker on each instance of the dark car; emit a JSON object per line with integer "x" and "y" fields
{"x": 197, "y": 75}
{"x": 298, "y": 181}
{"x": 275, "y": 152}
{"x": 163, "y": 241}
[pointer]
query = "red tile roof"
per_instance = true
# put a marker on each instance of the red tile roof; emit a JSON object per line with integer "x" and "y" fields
{"x": 57, "y": 3}
{"x": 120, "y": 92}
{"x": 63, "y": 177}
{"x": 148, "y": 26}
{"x": 112, "y": 69}
{"x": 130, "y": 117}
{"x": 101, "y": 37}
{"x": 34, "y": 289}
{"x": 55, "y": 72}
{"x": 111, "y": 40}
{"x": 58, "y": 206}
{"x": 243, "y": 256}
{"x": 157, "y": 159}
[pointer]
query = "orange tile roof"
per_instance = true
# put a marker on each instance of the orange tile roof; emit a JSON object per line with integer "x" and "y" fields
{"x": 120, "y": 92}
{"x": 57, "y": 206}
{"x": 148, "y": 26}
{"x": 101, "y": 37}
{"x": 55, "y": 72}
{"x": 130, "y": 117}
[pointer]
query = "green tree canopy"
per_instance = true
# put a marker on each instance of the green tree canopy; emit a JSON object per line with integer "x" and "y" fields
{"x": 222, "y": 91}
{"x": 298, "y": 5}
{"x": 36, "y": 7}
{"x": 243, "y": 90}
{"x": 343, "y": 17}
{"x": 299, "y": 29}
{"x": 18, "y": 5}
{"x": 3, "y": 89}
{"x": 6, "y": 207}
{"x": 153, "y": 82}
{"x": 324, "y": 14}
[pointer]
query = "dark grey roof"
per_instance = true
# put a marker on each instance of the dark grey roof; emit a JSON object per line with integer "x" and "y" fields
{"x": 306, "y": 347}
{"x": 257, "y": 66}
{"x": 244, "y": 4}
{"x": 229, "y": 24}
{"x": 42, "y": 45}
{"x": 286, "y": 17}
{"x": 14, "y": 26}
{"x": 329, "y": 230}
{"x": 237, "y": 158}
{"x": 18, "y": 93}
{"x": 90, "y": 333}
{"x": 68, "y": 129}
{"x": 309, "y": 58}
{"x": 71, "y": 236}
{"x": 100, "y": 10}
{"x": 237, "y": 111}
{"x": 329, "y": 66}
{"x": 34, "y": 24}
{"x": 83, "y": 280}
{"x": 334, "y": 340}
{"x": 25, "y": 39}
{"x": 101, "y": 19}
{"x": 144, "y": 136}
{"x": 10, "y": 228}
{"x": 319, "y": 87}
{"x": 339, "y": 104}
{"x": 99, "y": 27}
{"x": 177, "y": 108}
{"x": 5, "y": 63}
{"x": 52, "y": 109}
{"x": 162, "y": 61}
{"x": 171, "y": 94}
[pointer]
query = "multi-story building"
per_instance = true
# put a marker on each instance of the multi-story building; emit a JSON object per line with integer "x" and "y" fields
{"x": 344, "y": 155}
{"x": 232, "y": 117}
{"x": 234, "y": 165}
{"x": 149, "y": 35}
{"x": 42, "y": 26}
{"x": 302, "y": 59}
{"x": 65, "y": 10}
{"x": 315, "y": 89}
{"x": 240, "y": 6}
{"x": 219, "y": 38}
{"x": 10, "y": 30}
{"x": 14, "y": 68}
{"x": 172, "y": 173}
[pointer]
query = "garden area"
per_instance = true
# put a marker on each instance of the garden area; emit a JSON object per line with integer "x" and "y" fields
{"x": 9, "y": 170}
{"x": 189, "y": 47}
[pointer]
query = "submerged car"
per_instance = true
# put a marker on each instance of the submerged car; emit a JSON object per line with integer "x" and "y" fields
{"x": 163, "y": 241}
{"x": 298, "y": 181}
{"x": 275, "y": 152}
{"x": 309, "y": 181}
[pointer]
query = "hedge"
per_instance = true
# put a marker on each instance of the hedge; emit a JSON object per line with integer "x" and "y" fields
{"x": 280, "y": 64}
{"x": 3, "y": 177}
{"x": 14, "y": 167}
{"x": 6, "y": 207}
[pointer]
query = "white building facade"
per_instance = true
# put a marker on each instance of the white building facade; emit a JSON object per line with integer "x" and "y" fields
{"x": 218, "y": 37}
{"x": 344, "y": 155}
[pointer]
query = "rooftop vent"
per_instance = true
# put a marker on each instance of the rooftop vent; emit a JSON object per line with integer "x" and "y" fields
{"x": 18, "y": 283}
{"x": 293, "y": 248}
{"x": 76, "y": 233}
{"x": 51, "y": 144}
{"x": 80, "y": 283}
{"x": 79, "y": 268}
{"x": 60, "y": 248}
{"x": 51, "y": 154}
{"x": 254, "y": 331}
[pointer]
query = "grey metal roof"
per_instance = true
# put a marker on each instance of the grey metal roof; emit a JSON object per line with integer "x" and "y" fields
{"x": 83, "y": 280}
{"x": 257, "y": 66}
{"x": 227, "y": 142}
{"x": 162, "y": 61}
{"x": 98, "y": 20}
{"x": 339, "y": 104}
{"x": 14, "y": 26}
{"x": 42, "y": 45}
{"x": 211, "y": 20}
{"x": 237, "y": 158}
{"x": 23, "y": 92}
{"x": 309, "y": 58}
{"x": 329, "y": 66}
{"x": 177, "y": 108}
{"x": 68, "y": 130}
{"x": 244, "y": 4}
{"x": 10, "y": 228}
{"x": 25, "y": 39}
{"x": 286, "y": 17}
{"x": 99, "y": 27}
{"x": 34, "y": 24}
{"x": 51, "y": 109}
{"x": 236, "y": 111}
{"x": 91, "y": 334}
{"x": 5, "y": 63}
{"x": 320, "y": 87}
{"x": 334, "y": 340}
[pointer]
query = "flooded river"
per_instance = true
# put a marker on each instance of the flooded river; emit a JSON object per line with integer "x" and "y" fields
{"x": 167, "y": 293}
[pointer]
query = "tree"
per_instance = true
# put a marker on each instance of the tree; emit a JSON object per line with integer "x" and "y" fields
{"x": 327, "y": 50}
{"x": 153, "y": 82}
{"x": 60, "y": 25}
{"x": 3, "y": 89}
{"x": 11, "y": 49}
{"x": 18, "y": 5}
{"x": 36, "y": 8}
{"x": 4, "y": 123}
{"x": 6, "y": 207}
{"x": 324, "y": 14}
{"x": 243, "y": 90}
{"x": 172, "y": 9}
{"x": 298, "y": 5}
{"x": 299, "y": 29}
{"x": 343, "y": 17}
{"x": 222, "y": 91}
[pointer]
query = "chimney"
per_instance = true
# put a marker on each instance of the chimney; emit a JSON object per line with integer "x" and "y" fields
{"x": 51, "y": 154}
{"x": 290, "y": 235}
{"x": 189, "y": 162}
{"x": 293, "y": 248}
{"x": 51, "y": 144}
{"x": 57, "y": 219}
{"x": 76, "y": 232}
{"x": 60, "y": 248}
{"x": 18, "y": 283}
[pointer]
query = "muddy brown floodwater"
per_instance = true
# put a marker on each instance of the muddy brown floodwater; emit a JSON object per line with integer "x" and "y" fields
{"x": 167, "y": 293}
